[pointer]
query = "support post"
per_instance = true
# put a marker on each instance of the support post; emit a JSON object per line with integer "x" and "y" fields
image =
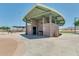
{"x": 43, "y": 24}
{"x": 50, "y": 22}
{"x": 26, "y": 27}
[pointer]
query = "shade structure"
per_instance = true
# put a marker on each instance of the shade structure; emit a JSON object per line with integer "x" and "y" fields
{"x": 43, "y": 20}
{"x": 39, "y": 10}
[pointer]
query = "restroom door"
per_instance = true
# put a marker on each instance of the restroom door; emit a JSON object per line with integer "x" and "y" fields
{"x": 34, "y": 30}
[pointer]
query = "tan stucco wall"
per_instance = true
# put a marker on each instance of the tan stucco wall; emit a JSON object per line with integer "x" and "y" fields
{"x": 29, "y": 29}
{"x": 45, "y": 28}
{"x": 54, "y": 28}
{"x": 40, "y": 27}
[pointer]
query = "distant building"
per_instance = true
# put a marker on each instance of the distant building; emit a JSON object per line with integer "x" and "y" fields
{"x": 18, "y": 28}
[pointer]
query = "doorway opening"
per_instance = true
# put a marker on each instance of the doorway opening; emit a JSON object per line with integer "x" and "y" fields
{"x": 34, "y": 30}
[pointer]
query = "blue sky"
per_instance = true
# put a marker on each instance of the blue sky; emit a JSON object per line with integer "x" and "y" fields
{"x": 12, "y": 14}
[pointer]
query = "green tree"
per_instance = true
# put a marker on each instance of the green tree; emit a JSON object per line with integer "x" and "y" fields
{"x": 60, "y": 22}
{"x": 5, "y": 28}
{"x": 76, "y": 23}
{"x": 26, "y": 20}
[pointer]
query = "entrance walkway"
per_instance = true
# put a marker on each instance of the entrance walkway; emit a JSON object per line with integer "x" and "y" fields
{"x": 33, "y": 36}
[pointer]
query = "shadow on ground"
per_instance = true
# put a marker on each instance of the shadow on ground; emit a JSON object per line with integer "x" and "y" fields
{"x": 33, "y": 36}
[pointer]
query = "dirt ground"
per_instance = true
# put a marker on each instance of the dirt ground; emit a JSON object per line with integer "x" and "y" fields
{"x": 14, "y": 44}
{"x": 10, "y": 44}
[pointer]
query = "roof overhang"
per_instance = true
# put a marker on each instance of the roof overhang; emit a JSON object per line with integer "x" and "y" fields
{"x": 40, "y": 10}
